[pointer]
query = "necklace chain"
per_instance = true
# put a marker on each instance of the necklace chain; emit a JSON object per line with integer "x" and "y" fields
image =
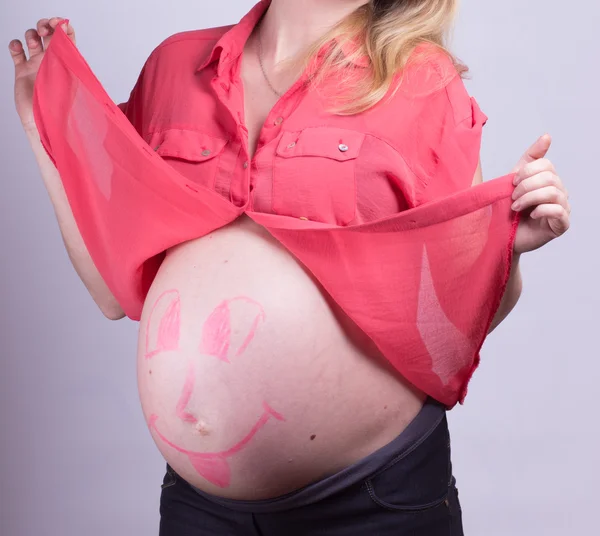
{"x": 262, "y": 67}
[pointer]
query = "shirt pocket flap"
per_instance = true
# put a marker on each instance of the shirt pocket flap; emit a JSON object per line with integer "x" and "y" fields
{"x": 190, "y": 145}
{"x": 334, "y": 143}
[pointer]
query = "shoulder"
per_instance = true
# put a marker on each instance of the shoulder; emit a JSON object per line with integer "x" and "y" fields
{"x": 168, "y": 73}
{"x": 426, "y": 95}
{"x": 193, "y": 44}
{"x": 428, "y": 69}
{"x": 439, "y": 125}
{"x": 434, "y": 76}
{"x": 431, "y": 93}
{"x": 192, "y": 38}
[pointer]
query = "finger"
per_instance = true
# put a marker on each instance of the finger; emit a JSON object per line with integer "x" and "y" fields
{"x": 532, "y": 168}
{"x": 34, "y": 43}
{"x": 548, "y": 210}
{"x": 54, "y": 22}
{"x": 66, "y": 26}
{"x": 535, "y": 182}
{"x": 70, "y": 31}
{"x": 558, "y": 218}
{"x": 51, "y": 25}
{"x": 43, "y": 27}
{"x": 17, "y": 52}
{"x": 548, "y": 194}
{"x": 536, "y": 151}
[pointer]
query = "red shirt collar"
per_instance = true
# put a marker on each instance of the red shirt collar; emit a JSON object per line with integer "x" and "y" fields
{"x": 231, "y": 44}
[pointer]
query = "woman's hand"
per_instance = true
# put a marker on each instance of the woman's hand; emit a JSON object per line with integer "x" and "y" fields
{"x": 26, "y": 68}
{"x": 541, "y": 197}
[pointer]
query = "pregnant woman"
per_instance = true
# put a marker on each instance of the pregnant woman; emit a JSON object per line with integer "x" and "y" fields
{"x": 270, "y": 389}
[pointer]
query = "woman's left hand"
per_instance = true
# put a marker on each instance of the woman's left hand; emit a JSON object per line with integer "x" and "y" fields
{"x": 541, "y": 197}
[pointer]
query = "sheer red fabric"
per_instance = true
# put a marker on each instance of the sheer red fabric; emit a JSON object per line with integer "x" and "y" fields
{"x": 424, "y": 284}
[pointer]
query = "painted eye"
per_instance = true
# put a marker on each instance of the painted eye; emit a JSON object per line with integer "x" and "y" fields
{"x": 217, "y": 336}
{"x": 162, "y": 329}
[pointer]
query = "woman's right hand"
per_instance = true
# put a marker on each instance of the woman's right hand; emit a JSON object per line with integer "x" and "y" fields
{"x": 26, "y": 68}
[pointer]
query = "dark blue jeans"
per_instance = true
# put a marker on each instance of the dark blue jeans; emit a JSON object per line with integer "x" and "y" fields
{"x": 404, "y": 489}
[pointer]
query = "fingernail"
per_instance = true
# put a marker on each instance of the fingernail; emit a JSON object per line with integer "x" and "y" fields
{"x": 515, "y": 207}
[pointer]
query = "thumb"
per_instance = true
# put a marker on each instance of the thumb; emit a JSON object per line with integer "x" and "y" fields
{"x": 535, "y": 152}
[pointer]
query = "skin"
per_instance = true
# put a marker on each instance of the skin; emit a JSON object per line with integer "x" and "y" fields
{"x": 213, "y": 466}
{"x": 216, "y": 342}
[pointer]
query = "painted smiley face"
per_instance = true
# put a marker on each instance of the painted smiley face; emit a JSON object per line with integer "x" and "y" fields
{"x": 217, "y": 340}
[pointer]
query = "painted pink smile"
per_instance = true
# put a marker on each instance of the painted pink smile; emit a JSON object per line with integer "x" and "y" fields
{"x": 162, "y": 335}
{"x": 213, "y": 466}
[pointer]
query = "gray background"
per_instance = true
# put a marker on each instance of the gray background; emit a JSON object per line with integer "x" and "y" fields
{"x": 76, "y": 457}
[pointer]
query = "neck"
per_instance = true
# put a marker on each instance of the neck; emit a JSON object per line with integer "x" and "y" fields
{"x": 290, "y": 26}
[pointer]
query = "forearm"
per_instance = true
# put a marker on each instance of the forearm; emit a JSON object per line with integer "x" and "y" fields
{"x": 512, "y": 293}
{"x": 76, "y": 249}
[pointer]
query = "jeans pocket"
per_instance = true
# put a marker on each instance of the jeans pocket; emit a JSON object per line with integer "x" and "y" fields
{"x": 418, "y": 479}
{"x": 170, "y": 478}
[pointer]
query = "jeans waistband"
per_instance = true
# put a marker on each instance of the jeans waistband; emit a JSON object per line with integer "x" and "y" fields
{"x": 419, "y": 429}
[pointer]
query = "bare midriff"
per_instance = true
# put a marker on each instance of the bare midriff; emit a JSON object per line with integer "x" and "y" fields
{"x": 252, "y": 381}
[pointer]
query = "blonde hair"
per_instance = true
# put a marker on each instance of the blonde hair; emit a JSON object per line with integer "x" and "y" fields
{"x": 387, "y": 32}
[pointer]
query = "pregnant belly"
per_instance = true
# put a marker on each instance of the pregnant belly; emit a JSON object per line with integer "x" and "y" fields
{"x": 252, "y": 382}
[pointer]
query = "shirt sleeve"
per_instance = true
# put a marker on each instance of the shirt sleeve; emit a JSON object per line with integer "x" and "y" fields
{"x": 447, "y": 141}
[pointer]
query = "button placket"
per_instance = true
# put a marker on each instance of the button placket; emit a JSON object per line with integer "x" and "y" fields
{"x": 230, "y": 97}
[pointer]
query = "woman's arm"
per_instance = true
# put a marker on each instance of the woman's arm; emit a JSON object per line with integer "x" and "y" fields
{"x": 511, "y": 295}
{"x": 76, "y": 249}
{"x": 540, "y": 192}
{"x": 514, "y": 286}
{"x": 26, "y": 69}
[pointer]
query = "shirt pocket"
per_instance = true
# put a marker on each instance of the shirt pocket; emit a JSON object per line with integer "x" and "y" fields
{"x": 194, "y": 154}
{"x": 314, "y": 174}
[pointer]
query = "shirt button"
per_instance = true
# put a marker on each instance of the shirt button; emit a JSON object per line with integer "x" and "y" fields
{"x": 291, "y": 145}
{"x": 246, "y": 164}
{"x": 342, "y": 147}
{"x": 157, "y": 147}
{"x": 278, "y": 121}
{"x": 206, "y": 152}
{"x": 303, "y": 218}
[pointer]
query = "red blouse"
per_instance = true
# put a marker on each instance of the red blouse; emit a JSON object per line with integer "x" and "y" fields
{"x": 345, "y": 170}
{"x": 378, "y": 205}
